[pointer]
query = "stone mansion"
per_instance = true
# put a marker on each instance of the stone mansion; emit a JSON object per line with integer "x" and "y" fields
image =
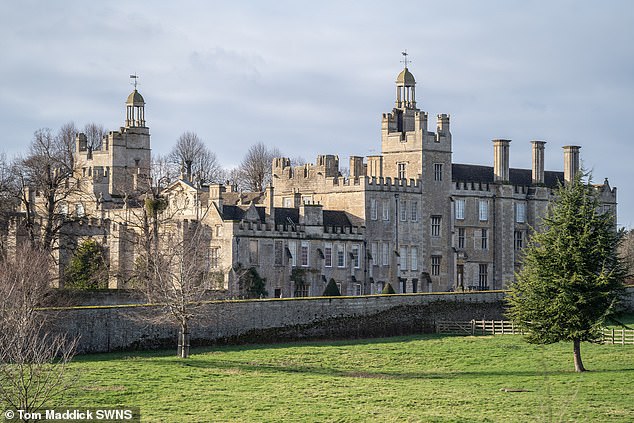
{"x": 409, "y": 216}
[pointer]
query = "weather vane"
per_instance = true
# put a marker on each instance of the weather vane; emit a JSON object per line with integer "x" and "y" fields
{"x": 405, "y": 60}
{"x": 135, "y": 77}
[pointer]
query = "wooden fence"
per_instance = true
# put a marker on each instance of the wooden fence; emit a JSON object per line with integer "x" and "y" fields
{"x": 478, "y": 327}
{"x": 618, "y": 336}
{"x": 506, "y": 327}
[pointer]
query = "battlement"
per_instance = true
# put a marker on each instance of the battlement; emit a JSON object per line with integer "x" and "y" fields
{"x": 291, "y": 230}
{"x": 325, "y": 166}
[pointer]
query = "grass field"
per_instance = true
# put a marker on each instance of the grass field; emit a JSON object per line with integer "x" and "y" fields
{"x": 417, "y": 378}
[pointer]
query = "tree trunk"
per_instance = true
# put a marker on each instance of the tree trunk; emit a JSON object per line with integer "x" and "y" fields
{"x": 577, "y": 354}
{"x": 183, "y": 341}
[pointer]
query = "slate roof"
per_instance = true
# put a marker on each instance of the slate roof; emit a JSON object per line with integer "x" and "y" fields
{"x": 331, "y": 217}
{"x": 484, "y": 174}
{"x": 236, "y": 213}
{"x": 247, "y": 197}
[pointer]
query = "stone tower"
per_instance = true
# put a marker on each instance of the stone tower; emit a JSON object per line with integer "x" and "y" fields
{"x": 121, "y": 167}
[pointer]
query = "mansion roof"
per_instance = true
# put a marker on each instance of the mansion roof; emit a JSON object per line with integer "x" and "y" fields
{"x": 484, "y": 174}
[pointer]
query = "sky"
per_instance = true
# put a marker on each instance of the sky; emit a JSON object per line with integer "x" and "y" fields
{"x": 314, "y": 77}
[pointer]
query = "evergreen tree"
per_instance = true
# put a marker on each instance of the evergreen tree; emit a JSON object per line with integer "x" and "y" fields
{"x": 387, "y": 289}
{"x": 331, "y": 290}
{"x": 251, "y": 284}
{"x": 87, "y": 268}
{"x": 572, "y": 277}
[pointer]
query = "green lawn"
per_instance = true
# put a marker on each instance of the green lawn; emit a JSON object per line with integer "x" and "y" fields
{"x": 417, "y": 378}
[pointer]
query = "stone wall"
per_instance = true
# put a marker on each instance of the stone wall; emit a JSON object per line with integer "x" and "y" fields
{"x": 114, "y": 328}
{"x": 134, "y": 326}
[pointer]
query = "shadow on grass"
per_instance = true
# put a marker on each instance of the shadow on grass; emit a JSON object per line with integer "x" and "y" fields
{"x": 294, "y": 368}
{"x": 256, "y": 347}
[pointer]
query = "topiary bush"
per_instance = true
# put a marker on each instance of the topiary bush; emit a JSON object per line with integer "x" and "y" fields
{"x": 332, "y": 290}
{"x": 388, "y": 289}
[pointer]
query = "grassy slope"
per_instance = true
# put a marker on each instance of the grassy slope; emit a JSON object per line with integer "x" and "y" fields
{"x": 420, "y": 378}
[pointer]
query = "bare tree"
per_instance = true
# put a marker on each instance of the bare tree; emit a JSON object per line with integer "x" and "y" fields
{"x": 32, "y": 359}
{"x": 8, "y": 202}
{"x": 94, "y": 135}
{"x": 197, "y": 161}
{"x": 255, "y": 169}
{"x": 43, "y": 182}
{"x": 181, "y": 277}
{"x": 66, "y": 136}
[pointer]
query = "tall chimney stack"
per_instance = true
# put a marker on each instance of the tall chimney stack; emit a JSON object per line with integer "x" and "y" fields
{"x": 538, "y": 161}
{"x": 501, "y": 160}
{"x": 571, "y": 162}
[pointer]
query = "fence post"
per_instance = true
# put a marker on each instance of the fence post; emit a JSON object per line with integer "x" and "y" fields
{"x": 622, "y": 336}
{"x": 612, "y": 336}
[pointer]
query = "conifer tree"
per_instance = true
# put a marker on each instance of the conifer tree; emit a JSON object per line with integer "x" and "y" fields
{"x": 331, "y": 290}
{"x": 572, "y": 277}
{"x": 87, "y": 269}
{"x": 388, "y": 289}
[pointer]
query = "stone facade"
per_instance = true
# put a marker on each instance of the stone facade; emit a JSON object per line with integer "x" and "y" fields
{"x": 409, "y": 216}
{"x": 431, "y": 224}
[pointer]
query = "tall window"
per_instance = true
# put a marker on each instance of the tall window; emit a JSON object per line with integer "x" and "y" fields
{"x": 328, "y": 254}
{"x": 520, "y": 212}
{"x": 484, "y": 240}
{"x": 483, "y": 277}
{"x": 375, "y": 254}
{"x": 435, "y": 226}
{"x": 213, "y": 259}
{"x": 386, "y": 210}
{"x": 460, "y": 275}
{"x": 357, "y": 289}
{"x": 253, "y": 251}
{"x": 278, "y": 246}
{"x": 355, "y": 256}
{"x": 403, "y": 210}
{"x": 401, "y": 170}
{"x": 303, "y": 253}
{"x": 373, "y": 211}
{"x": 484, "y": 210}
{"x": 461, "y": 238}
{"x": 459, "y": 204}
{"x": 437, "y": 171}
{"x": 403, "y": 258}
{"x": 341, "y": 255}
{"x": 414, "y": 206}
{"x": 413, "y": 258}
{"x": 435, "y": 265}
{"x": 302, "y": 289}
{"x": 292, "y": 249}
{"x": 519, "y": 240}
{"x": 79, "y": 210}
{"x": 385, "y": 248}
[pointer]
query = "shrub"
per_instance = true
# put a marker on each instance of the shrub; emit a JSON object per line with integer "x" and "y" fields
{"x": 332, "y": 290}
{"x": 87, "y": 269}
{"x": 388, "y": 289}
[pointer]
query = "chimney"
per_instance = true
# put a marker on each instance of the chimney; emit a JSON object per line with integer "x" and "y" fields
{"x": 501, "y": 160}
{"x": 215, "y": 195}
{"x": 571, "y": 162}
{"x": 538, "y": 161}
{"x": 375, "y": 166}
{"x": 271, "y": 206}
{"x": 356, "y": 167}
